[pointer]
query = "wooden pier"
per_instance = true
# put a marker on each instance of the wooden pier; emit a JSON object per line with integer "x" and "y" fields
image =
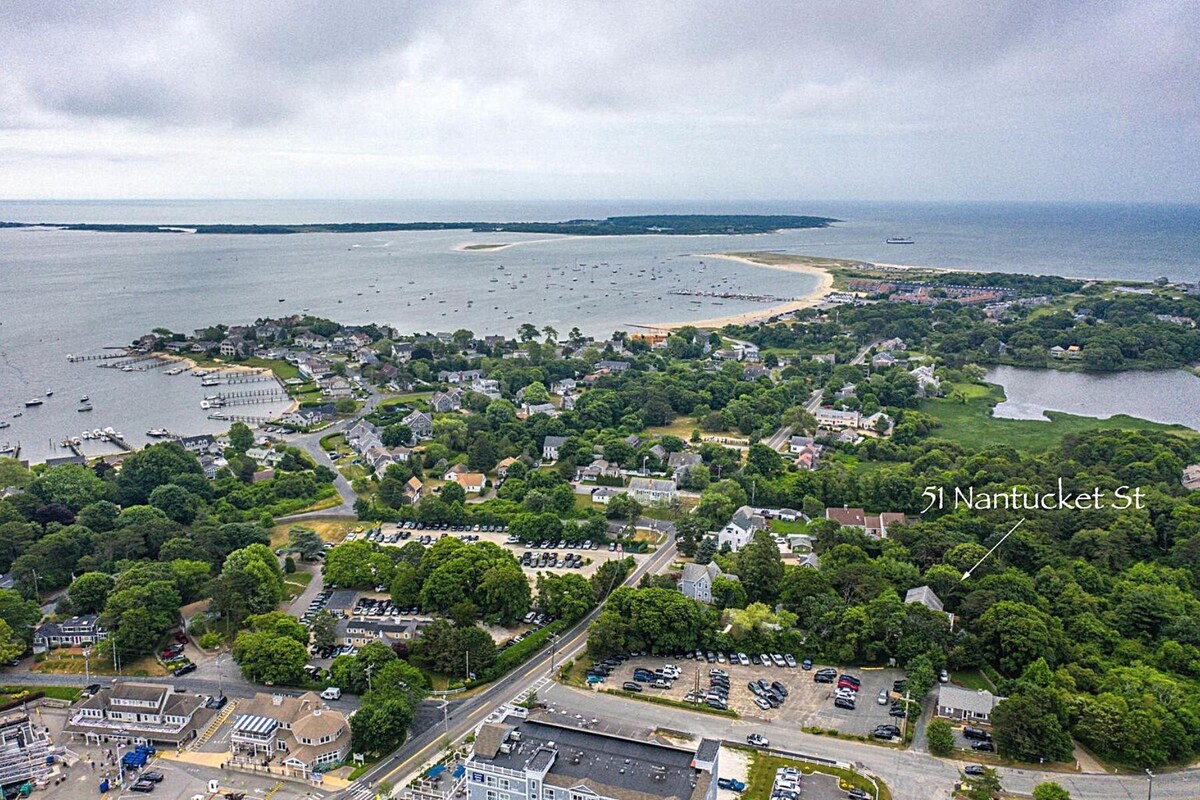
{"x": 129, "y": 361}
{"x": 97, "y": 356}
{"x": 279, "y": 393}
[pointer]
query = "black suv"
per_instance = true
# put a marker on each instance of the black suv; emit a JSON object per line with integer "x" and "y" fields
{"x": 825, "y": 676}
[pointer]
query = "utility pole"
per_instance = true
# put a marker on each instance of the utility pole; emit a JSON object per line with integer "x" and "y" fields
{"x": 1149, "y": 784}
{"x": 368, "y": 670}
{"x": 87, "y": 672}
{"x": 36, "y": 594}
{"x": 468, "y": 666}
{"x": 221, "y": 674}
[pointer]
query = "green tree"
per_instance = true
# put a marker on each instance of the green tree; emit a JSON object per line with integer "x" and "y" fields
{"x": 728, "y": 593}
{"x": 940, "y": 734}
{"x": 11, "y": 645}
{"x": 623, "y": 506}
{"x": 177, "y": 503}
{"x": 306, "y": 542}
{"x": 268, "y": 656}
{"x": 984, "y": 786}
{"x": 1050, "y": 791}
{"x": 761, "y": 568}
{"x": 567, "y": 596}
{"x": 324, "y": 630}
{"x": 241, "y": 438}
{"x": 89, "y": 592}
{"x": 69, "y": 485}
{"x": 147, "y": 469}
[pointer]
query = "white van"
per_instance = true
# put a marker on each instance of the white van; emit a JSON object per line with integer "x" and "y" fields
{"x": 332, "y": 693}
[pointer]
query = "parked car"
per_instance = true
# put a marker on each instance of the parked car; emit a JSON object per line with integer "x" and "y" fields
{"x": 806, "y": 664}
{"x": 984, "y": 747}
{"x": 885, "y": 732}
{"x": 183, "y": 670}
{"x": 153, "y": 776}
{"x": 977, "y": 733}
{"x": 144, "y": 787}
{"x": 630, "y": 686}
{"x": 790, "y": 660}
{"x": 883, "y": 697}
{"x": 843, "y": 703}
{"x": 973, "y": 769}
{"x": 943, "y": 676}
{"x": 758, "y": 740}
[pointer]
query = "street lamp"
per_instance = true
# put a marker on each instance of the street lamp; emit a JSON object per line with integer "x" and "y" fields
{"x": 221, "y": 673}
{"x": 1149, "y": 784}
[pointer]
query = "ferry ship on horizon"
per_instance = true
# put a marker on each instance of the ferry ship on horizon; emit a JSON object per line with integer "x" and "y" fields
{"x": 900, "y": 240}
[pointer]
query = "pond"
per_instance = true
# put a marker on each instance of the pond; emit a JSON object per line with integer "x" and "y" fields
{"x": 1167, "y": 396}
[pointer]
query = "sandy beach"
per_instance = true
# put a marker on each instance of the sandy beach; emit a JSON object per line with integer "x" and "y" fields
{"x": 779, "y": 262}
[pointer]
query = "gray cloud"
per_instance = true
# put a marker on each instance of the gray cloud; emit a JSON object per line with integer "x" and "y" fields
{"x": 854, "y": 99}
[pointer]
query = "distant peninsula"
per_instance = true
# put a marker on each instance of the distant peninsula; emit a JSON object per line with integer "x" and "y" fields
{"x": 655, "y": 224}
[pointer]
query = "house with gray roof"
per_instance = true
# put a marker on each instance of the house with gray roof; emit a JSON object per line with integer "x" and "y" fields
{"x": 697, "y": 580}
{"x": 138, "y": 713}
{"x": 968, "y": 705}
{"x": 925, "y": 596}
{"x": 420, "y": 423}
{"x": 652, "y": 490}
{"x": 550, "y": 446}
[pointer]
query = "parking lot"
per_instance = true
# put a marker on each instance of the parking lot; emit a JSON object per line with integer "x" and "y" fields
{"x": 559, "y": 557}
{"x": 181, "y": 779}
{"x": 807, "y": 704}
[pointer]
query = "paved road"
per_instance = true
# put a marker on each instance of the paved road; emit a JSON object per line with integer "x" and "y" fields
{"x": 910, "y": 775}
{"x": 862, "y": 354}
{"x": 230, "y": 682}
{"x": 473, "y": 710}
{"x": 311, "y": 444}
{"x": 779, "y": 438}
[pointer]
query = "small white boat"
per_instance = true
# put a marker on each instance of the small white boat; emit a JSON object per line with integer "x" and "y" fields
{"x": 158, "y": 433}
{"x": 84, "y": 399}
{"x": 36, "y": 401}
{"x": 84, "y": 407}
{"x": 4, "y": 423}
{"x": 97, "y": 433}
{"x": 50, "y": 393}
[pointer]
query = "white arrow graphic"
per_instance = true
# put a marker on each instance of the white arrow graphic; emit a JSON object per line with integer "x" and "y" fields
{"x": 967, "y": 574}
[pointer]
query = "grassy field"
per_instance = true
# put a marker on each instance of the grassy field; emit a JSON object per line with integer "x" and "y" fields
{"x": 972, "y": 424}
{"x": 71, "y": 662}
{"x": 762, "y": 776}
{"x": 330, "y": 530}
{"x": 680, "y": 426}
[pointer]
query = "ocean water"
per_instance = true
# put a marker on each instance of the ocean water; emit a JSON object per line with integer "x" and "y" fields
{"x": 1167, "y": 396}
{"x": 76, "y": 292}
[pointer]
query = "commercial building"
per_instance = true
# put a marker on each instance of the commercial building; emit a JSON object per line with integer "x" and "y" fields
{"x": 139, "y": 713}
{"x": 299, "y": 734}
{"x": 531, "y": 759}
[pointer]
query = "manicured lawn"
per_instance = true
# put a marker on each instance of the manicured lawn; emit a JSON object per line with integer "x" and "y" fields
{"x": 284, "y": 370}
{"x": 785, "y": 527}
{"x": 972, "y": 680}
{"x": 68, "y": 693}
{"x": 972, "y": 424}
{"x": 762, "y": 776}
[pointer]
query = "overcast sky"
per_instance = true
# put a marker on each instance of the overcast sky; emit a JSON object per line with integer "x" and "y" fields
{"x": 657, "y": 100}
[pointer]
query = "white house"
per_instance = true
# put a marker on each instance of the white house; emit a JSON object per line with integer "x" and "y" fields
{"x": 738, "y": 532}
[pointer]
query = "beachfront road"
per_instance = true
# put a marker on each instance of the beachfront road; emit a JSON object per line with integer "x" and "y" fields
{"x": 471, "y": 711}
